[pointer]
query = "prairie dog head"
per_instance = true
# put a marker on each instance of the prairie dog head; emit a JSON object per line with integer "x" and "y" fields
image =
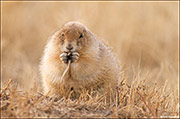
{"x": 73, "y": 37}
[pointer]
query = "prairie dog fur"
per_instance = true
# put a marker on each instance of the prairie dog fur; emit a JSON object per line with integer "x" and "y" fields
{"x": 93, "y": 64}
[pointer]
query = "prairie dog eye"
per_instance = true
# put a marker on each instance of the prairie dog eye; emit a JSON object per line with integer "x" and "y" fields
{"x": 81, "y": 35}
{"x": 79, "y": 40}
{"x": 62, "y": 34}
{"x": 62, "y": 38}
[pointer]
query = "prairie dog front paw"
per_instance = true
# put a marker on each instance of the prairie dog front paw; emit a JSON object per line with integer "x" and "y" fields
{"x": 64, "y": 57}
{"x": 73, "y": 57}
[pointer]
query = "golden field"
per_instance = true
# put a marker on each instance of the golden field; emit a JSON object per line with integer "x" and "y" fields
{"x": 144, "y": 36}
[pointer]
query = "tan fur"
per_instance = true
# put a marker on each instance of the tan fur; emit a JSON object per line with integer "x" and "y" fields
{"x": 96, "y": 68}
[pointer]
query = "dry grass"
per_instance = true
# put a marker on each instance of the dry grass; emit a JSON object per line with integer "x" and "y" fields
{"x": 136, "y": 100}
{"x": 143, "y": 35}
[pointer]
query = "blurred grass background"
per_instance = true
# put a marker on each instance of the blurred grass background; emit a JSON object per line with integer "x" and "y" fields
{"x": 145, "y": 32}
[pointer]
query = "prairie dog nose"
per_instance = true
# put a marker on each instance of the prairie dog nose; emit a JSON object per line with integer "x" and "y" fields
{"x": 69, "y": 47}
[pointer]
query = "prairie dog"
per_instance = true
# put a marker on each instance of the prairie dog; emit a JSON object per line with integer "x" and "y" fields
{"x": 93, "y": 65}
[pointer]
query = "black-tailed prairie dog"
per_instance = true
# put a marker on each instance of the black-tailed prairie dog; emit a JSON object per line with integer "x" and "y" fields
{"x": 74, "y": 59}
